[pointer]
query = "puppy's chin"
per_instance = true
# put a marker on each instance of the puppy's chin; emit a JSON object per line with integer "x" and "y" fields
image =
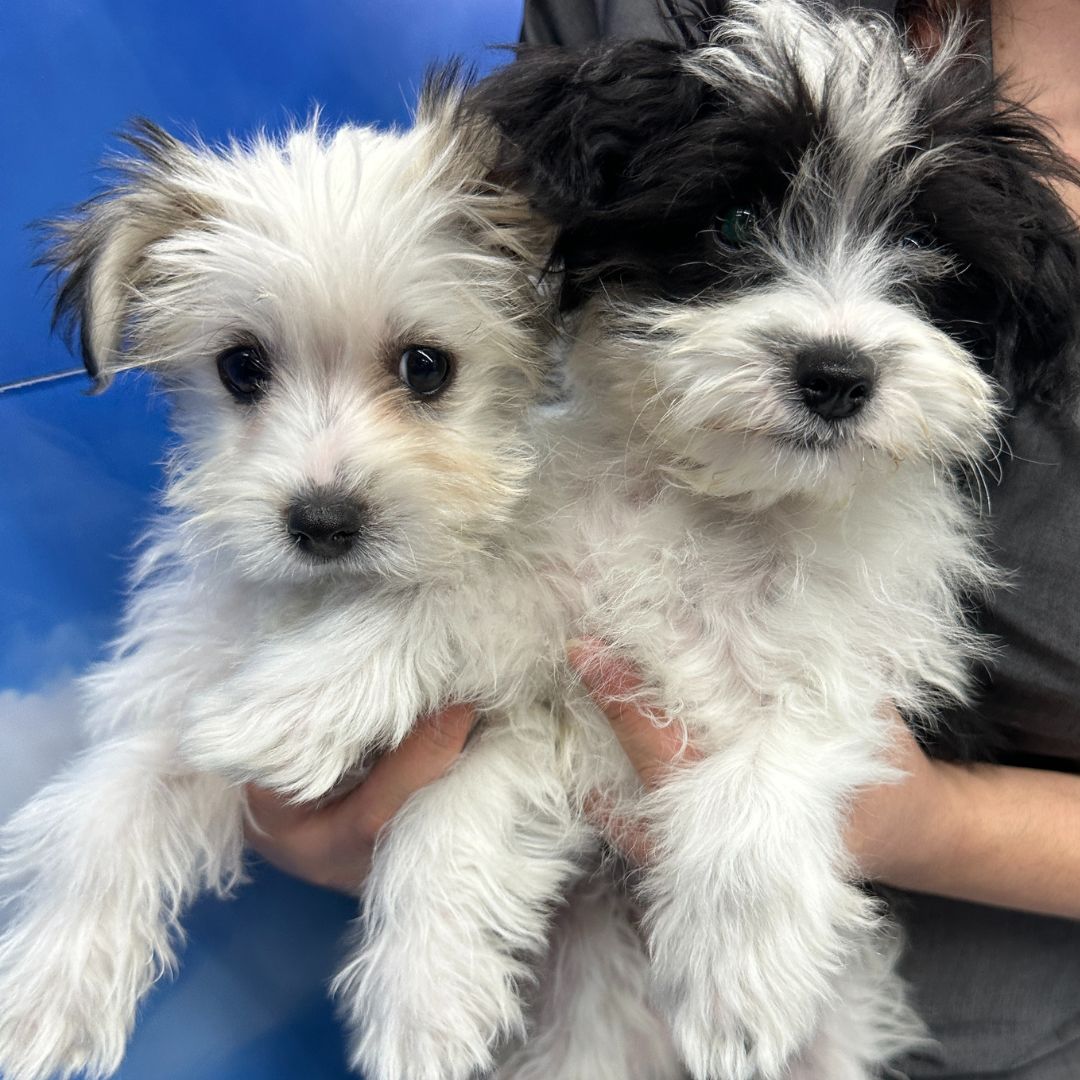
{"x": 759, "y": 470}
{"x": 289, "y": 567}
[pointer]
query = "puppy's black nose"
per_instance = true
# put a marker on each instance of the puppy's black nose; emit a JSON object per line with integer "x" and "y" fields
{"x": 325, "y": 525}
{"x": 834, "y": 380}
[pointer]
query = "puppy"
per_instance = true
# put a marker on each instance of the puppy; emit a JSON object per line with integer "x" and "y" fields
{"x": 348, "y": 328}
{"x": 813, "y": 265}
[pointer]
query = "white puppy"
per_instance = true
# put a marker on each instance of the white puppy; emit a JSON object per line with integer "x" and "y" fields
{"x": 351, "y": 340}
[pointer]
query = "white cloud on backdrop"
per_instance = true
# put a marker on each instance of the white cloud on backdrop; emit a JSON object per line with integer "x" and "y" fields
{"x": 39, "y": 732}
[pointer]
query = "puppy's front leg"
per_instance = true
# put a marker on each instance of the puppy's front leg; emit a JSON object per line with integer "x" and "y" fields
{"x": 98, "y": 868}
{"x": 458, "y": 903}
{"x": 748, "y": 915}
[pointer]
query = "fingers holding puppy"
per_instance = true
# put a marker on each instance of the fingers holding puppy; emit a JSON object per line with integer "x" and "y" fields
{"x": 653, "y": 745}
{"x": 331, "y": 844}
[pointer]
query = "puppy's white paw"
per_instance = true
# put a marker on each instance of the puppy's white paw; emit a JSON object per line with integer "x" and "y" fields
{"x": 398, "y": 1051}
{"x": 737, "y": 1010}
{"x": 417, "y": 1021}
{"x": 52, "y": 1027}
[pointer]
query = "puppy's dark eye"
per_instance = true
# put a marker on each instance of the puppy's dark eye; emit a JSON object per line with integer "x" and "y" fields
{"x": 736, "y": 225}
{"x": 424, "y": 369}
{"x": 916, "y": 239}
{"x": 245, "y": 372}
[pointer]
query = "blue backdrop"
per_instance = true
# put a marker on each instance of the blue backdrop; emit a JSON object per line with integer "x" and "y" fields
{"x": 77, "y": 474}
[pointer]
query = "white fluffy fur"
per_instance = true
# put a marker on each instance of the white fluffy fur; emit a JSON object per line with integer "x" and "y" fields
{"x": 780, "y": 582}
{"x": 776, "y": 596}
{"x": 242, "y": 659}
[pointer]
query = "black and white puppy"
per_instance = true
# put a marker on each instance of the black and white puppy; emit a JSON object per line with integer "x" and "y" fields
{"x": 811, "y": 264}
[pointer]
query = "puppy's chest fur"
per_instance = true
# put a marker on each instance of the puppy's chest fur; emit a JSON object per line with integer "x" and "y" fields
{"x": 293, "y": 685}
{"x": 820, "y": 613}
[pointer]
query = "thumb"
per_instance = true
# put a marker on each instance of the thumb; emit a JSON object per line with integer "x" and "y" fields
{"x": 653, "y": 742}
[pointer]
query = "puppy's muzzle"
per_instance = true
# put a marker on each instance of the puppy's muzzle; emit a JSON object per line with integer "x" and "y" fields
{"x": 326, "y": 526}
{"x": 834, "y": 381}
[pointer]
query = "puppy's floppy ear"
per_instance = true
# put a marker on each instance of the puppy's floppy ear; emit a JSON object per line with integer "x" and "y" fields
{"x": 587, "y": 136}
{"x": 1019, "y": 294}
{"x": 574, "y": 122}
{"x": 99, "y": 252}
{"x": 1038, "y": 342}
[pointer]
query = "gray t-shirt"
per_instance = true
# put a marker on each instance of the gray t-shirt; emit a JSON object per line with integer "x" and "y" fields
{"x": 999, "y": 989}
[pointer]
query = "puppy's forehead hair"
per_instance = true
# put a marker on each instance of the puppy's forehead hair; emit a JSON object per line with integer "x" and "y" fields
{"x": 309, "y": 185}
{"x": 865, "y": 92}
{"x": 319, "y": 202}
{"x": 363, "y": 231}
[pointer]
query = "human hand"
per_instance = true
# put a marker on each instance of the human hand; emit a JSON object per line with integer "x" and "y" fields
{"x": 331, "y": 844}
{"x": 892, "y": 829}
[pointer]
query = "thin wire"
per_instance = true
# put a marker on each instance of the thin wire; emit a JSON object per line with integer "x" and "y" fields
{"x": 41, "y": 380}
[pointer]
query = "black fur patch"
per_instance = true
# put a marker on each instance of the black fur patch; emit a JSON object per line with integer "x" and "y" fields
{"x": 638, "y": 162}
{"x": 580, "y": 127}
{"x": 1014, "y": 302}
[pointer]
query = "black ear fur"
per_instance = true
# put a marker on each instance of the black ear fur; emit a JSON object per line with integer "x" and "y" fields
{"x": 1017, "y": 302}
{"x": 573, "y": 121}
{"x": 575, "y": 125}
